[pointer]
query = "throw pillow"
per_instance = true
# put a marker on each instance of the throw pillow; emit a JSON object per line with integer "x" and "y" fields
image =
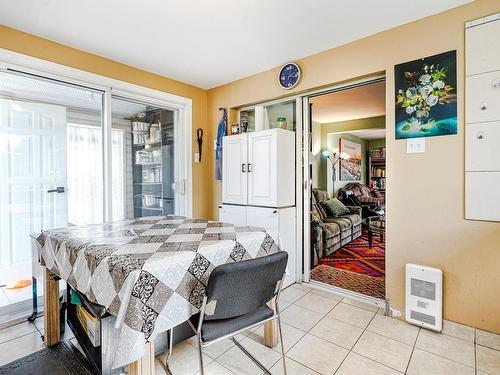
{"x": 334, "y": 207}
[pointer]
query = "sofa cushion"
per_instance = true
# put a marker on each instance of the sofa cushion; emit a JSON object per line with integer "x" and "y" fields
{"x": 330, "y": 230}
{"x": 334, "y": 207}
{"x": 343, "y": 222}
{"x": 320, "y": 195}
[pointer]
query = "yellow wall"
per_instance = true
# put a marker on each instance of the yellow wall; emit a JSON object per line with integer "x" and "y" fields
{"x": 425, "y": 195}
{"x": 44, "y": 49}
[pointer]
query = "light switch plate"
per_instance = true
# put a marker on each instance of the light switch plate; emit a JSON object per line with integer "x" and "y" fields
{"x": 415, "y": 145}
{"x": 196, "y": 157}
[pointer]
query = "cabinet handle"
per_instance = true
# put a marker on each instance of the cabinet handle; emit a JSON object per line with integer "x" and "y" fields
{"x": 249, "y": 167}
{"x": 243, "y": 167}
{"x": 484, "y": 106}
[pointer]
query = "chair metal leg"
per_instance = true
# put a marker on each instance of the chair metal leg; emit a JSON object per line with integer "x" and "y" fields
{"x": 282, "y": 346}
{"x": 261, "y": 366}
{"x": 200, "y": 354}
{"x": 170, "y": 348}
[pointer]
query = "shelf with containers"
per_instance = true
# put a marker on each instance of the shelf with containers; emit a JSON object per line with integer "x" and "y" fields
{"x": 280, "y": 114}
{"x": 153, "y": 163}
{"x": 376, "y": 169}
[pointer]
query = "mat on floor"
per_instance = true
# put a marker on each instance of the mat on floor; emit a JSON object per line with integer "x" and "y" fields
{"x": 60, "y": 359}
{"x": 357, "y": 256}
{"x": 367, "y": 285}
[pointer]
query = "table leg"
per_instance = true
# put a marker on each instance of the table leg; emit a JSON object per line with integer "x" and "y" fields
{"x": 370, "y": 238}
{"x": 271, "y": 330}
{"x": 51, "y": 315}
{"x": 146, "y": 364}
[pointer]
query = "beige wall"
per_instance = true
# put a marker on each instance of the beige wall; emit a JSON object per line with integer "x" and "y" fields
{"x": 44, "y": 49}
{"x": 425, "y": 221}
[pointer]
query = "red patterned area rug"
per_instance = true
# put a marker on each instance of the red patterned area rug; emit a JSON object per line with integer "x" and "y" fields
{"x": 367, "y": 285}
{"x": 355, "y": 267}
{"x": 358, "y": 257}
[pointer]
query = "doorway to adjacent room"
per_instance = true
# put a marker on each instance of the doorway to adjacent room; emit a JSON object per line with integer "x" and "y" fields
{"x": 347, "y": 176}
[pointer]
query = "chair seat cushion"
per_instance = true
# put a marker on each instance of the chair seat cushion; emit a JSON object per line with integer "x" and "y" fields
{"x": 214, "y": 329}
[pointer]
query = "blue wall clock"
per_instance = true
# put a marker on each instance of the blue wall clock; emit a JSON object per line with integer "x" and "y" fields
{"x": 289, "y": 76}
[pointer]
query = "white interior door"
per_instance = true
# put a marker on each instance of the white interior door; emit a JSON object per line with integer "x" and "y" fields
{"x": 32, "y": 180}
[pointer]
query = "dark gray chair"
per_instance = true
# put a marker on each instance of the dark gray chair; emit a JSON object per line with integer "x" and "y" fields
{"x": 236, "y": 300}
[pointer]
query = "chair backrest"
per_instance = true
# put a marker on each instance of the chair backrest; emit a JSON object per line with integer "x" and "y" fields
{"x": 242, "y": 287}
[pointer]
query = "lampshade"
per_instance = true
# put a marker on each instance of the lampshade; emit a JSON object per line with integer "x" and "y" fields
{"x": 326, "y": 153}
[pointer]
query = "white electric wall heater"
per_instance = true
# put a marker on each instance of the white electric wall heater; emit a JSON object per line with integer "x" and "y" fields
{"x": 424, "y": 296}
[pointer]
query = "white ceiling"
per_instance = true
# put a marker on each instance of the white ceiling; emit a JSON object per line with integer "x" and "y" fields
{"x": 352, "y": 104}
{"x": 210, "y": 42}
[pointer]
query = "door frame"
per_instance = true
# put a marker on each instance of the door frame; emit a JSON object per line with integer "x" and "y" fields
{"x": 13, "y": 62}
{"x": 304, "y": 193}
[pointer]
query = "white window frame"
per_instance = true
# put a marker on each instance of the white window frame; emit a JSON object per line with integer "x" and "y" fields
{"x": 16, "y": 62}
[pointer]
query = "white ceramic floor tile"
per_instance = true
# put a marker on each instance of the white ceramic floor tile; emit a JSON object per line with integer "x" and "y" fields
{"x": 394, "y": 328}
{"x": 291, "y": 336}
{"x": 20, "y": 347}
{"x": 425, "y": 363}
{"x": 327, "y": 294}
{"x": 337, "y": 332}
{"x": 292, "y": 294}
{"x": 446, "y": 346}
{"x": 216, "y": 349}
{"x": 16, "y": 331}
{"x": 488, "y": 339}
{"x": 384, "y": 350}
{"x": 236, "y": 361}
{"x": 216, "y": 368}
{"x": 316, "y": 303}
{"x": 318, "y": 354}
{"x": 459, "y": 331}
{"x": 292, "y": 368}
{"x": 351, "y": 314}
{"x": 184, "y": 359}
{"x": 488, "y": 360}
{"x": 363, "y": 305}
{"x": 302, "y": 286}
{"x": 300, "y": 318}
{"x": 355, "y": 364}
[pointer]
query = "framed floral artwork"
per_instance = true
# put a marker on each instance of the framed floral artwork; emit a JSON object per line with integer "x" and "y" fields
{"x": 426, "y": 99}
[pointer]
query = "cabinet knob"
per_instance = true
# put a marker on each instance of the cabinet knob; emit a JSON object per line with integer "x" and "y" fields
{"x": 480, "y": 135}
{"x": 484, "y": 106}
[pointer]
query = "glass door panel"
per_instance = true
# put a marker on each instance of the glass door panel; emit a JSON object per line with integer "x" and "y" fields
{"x": 46, "y": 130}
{"x": 144, "y": 163}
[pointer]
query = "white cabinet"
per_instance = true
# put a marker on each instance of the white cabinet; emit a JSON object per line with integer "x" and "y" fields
{"x": 259, "y": 168}
{"x": 482, "y": 128}
{"x": 483, "y": 97}
{"x": 234, "y": 165}
{"x": 233, "y": 214}
{"x": 483, "y": 147}
{"x": 276, "y": 221}
{"x": 482, "y": 201}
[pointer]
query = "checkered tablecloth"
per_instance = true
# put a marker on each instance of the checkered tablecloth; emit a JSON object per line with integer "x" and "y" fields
{"x": 150, "y": 272}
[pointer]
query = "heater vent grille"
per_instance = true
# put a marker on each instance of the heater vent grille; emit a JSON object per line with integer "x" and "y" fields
{"x": 423, "y": 289}
{"x": 424, "y": 318}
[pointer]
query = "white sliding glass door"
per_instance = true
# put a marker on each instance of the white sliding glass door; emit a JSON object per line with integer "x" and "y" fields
{"x": 33, "y": 189}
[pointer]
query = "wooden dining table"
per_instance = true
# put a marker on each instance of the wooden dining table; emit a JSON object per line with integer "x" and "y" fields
{"x": 149, "y": 273}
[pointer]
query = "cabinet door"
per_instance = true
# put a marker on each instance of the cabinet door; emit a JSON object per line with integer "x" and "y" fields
{"x": 262, "y": 188}
{"x": 483, "y": 54}
{"x": 233, "y": 214}
{"x": 264, "y": 217}
{"x": 482, "y": 201}
{"x": 234, "y": 169}
{"x": 482, "y": 146}
{"x": 483, "y": 96}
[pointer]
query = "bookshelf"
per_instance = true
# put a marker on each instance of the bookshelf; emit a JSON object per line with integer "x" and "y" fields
{"x": 376, "y": 169}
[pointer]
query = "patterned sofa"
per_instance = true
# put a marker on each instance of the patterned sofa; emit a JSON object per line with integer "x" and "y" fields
{"x": 364, "y": 194}
{"x": 329, "y": 233}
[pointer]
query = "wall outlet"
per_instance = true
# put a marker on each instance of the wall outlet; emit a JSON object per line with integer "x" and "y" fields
{"x": 415, "y": 145}
{"x": 395, "y": 313}
{"x": 196, "y": 157}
